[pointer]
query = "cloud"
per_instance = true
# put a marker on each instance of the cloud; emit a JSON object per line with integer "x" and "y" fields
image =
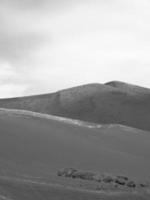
{"x": 51, "y": 5}
{"x": 18, "y": 34}
{"x": 10, "y": 81}
{"x": 52, "y": 45}
{"x": 18, "y": 47}
{"x": 11, "y": 90}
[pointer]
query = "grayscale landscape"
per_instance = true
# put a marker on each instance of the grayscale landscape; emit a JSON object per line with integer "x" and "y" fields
{"x": 35, "y": 146}
{"x": 74, "y": 99}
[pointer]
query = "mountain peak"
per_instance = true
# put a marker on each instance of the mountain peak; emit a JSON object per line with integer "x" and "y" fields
{"x": 128, "y": 88}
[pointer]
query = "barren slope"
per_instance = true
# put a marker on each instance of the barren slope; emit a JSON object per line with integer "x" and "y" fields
{"x": 20, "y": 190}
{"x": 35, "y": 146}
{"x": 43, "y": 145}
{"x": 114, "y": 102}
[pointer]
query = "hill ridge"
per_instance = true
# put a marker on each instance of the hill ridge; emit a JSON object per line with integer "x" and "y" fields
{"x": 96, "y": 103}
{"x": 74, "y": 122}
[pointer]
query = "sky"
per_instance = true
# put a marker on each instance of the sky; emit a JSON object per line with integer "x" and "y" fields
{"x": 49, "y": 45}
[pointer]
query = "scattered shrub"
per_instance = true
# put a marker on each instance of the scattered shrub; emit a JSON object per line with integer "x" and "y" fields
{"x": 87, "y": 175}
{"x": 123, "y": 178}
{"x": 105, "y": 178}
{"x": 143, "y": 185}
{"x": 108, "y": 179}
{"x": 83, "y": 175}
{"x": 77, "y": 174}
{"x": 67, "y": 172}
{"x": 131, "y": 184}
{"x": 120, "y": 181}
{"x": 97, "y": 178}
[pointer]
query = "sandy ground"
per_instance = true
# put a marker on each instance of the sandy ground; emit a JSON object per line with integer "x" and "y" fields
{"x": 34, "y": 147}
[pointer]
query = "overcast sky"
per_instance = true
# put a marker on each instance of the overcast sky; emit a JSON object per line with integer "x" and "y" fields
{"x": 48, "y": 45}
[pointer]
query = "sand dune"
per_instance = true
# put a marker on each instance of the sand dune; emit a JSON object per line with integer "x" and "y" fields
{"x": 110, "y": 103}
{"x": 37, "y": 145}
{"x": 44, "y": 145}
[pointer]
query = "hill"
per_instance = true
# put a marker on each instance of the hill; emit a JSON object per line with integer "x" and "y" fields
{"x": 34, "y": 146}
{"x": 113, "y": 102}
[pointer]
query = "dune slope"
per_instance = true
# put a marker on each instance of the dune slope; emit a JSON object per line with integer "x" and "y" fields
{"x": 34, "y": 145}
{"x": 43, "y": 145}
{"x": 20, "y": 190}
{"x": 113, "y": 102}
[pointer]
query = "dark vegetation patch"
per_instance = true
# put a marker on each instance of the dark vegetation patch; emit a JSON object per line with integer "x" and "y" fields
{"x": 100, "y": 178}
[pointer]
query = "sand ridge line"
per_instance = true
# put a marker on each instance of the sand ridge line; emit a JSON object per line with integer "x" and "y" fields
{"x": 75, "y": 122}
